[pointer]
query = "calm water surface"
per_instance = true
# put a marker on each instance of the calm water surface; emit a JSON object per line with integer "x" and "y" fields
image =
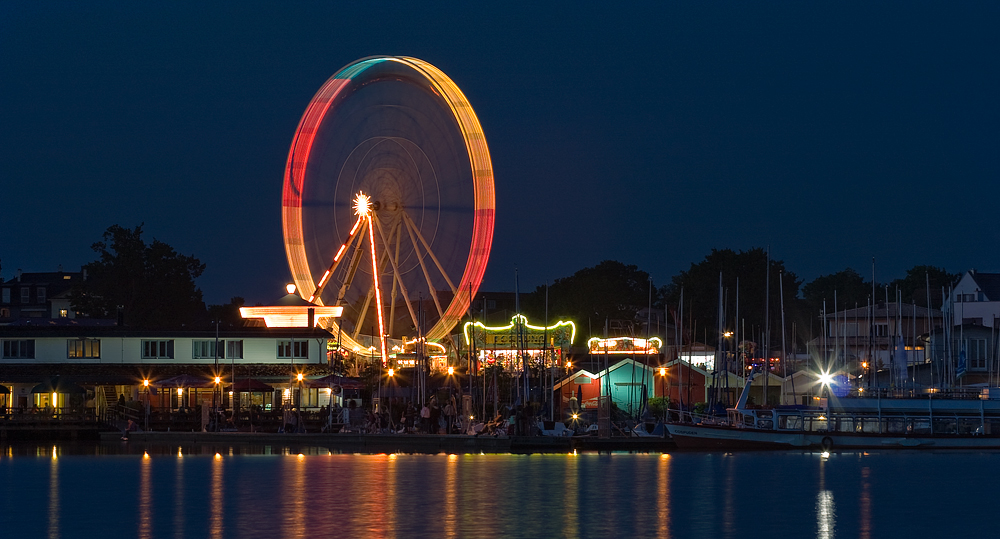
{"x": 274, "y": 492}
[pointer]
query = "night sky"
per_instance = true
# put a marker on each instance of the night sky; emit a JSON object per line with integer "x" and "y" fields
{"x": 649, "y": 135}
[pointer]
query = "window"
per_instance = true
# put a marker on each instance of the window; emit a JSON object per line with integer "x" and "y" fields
{"x": 23, "y": 349}
{"x": 206, "y": 349}
{"x": 63, "y": 313}
{"x": 290, "y": 349}
{"x": 40, "y": 294}
{"x": 25, "y": 294}
{"x": 849, "y": 329}
{"x": 5, "y": 298}
{"x": 157, "y": 349}
{"x": 881, "y": 330}
{"x": 83, "y": 348}
{"x": 234, "y": 349}
{"x": 975, "y": 350}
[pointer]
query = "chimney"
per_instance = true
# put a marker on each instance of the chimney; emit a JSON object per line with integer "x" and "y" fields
{"x": 84, "y": 274}
{"x": 60, "y": 268}
{"x": 19, "y": 275}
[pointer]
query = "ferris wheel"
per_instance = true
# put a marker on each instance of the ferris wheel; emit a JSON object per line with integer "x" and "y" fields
{"x": 388, "y": 202}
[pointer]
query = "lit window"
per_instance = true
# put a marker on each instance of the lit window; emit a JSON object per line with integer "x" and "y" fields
{"x": 63, "y": 313}
{"x": 83, "y": 348}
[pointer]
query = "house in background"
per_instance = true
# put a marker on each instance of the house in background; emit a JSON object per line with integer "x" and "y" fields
{"x": 43, "y": 296}
{"x": 974, "y": 300}
{"x": 854, "y": 336}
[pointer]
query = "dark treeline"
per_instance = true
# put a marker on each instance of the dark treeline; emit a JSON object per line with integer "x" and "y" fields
{"x": 618, "y": 292}
{"x": 151, "y": 285}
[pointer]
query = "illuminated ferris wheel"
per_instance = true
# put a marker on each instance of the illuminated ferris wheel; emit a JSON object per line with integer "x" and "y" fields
{"x": 388, "y": 201}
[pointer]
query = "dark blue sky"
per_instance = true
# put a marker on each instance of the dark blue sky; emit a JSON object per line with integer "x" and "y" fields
{"x": 648, "y": 134}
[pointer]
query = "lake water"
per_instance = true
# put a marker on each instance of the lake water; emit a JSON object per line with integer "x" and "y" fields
{"x": 274, "y": 492}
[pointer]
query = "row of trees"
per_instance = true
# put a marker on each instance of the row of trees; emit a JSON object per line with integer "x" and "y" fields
{"x": 151, "y": 285}
{"x": 615, "y": 291}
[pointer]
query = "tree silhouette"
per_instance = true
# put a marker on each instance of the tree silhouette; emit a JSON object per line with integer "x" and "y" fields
{"x": 151, "y": 284}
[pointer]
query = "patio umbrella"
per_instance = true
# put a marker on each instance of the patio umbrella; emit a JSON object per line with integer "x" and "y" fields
{"x": 251, "y": 385}
{"x": 331, "y": 380}
{"x": 186, "y": 380}
{"x": 57, "y": 385}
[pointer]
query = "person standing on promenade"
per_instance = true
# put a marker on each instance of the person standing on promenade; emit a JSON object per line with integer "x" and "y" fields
{"x": 435, "y": 416}
{"x": 449, "y": 416}
{"x": 425, "y": 419}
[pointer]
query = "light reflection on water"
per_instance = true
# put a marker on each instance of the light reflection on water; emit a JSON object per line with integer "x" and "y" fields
{"x": 281, "y": 492}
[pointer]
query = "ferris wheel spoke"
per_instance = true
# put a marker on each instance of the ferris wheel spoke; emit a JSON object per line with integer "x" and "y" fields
{"x": 413, "y": 228}
{"x": 395, "y": 279}
{"x": 337, "y": 259}
{"x": 353, "y": 268}
{"x": 427, "y": 276}
{"x": 396, "y": 275}
{"x": 371, "y": 292}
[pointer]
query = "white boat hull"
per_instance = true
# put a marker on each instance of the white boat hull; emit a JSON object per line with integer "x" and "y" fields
{"x": 724, "y": 437}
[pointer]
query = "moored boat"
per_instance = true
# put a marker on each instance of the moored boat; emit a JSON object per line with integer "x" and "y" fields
{"x": 934, "y": 421}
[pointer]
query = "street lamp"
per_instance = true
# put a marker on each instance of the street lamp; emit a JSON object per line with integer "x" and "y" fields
{"x": 145, "y": 386}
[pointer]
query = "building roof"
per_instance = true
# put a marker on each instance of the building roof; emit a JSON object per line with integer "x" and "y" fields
{"x": 76, "y": 331}
{"x": 881, "y": 310}
{"x": 989, "y": 284}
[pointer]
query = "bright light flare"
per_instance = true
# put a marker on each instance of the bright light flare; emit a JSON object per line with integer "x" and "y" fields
{"x": 218, "y": 380}
{"x": 392, "y": 372}
{"x": 451, "y": 371}
{"x": 299, "y": 377}
{"x": 362, "y": 205}
{"x": 825, "y": 379}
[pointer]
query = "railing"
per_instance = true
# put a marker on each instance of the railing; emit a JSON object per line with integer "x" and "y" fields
{"x": 15, "y": 416}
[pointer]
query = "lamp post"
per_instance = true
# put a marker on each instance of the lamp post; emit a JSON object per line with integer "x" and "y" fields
{"x": 663, "y": 377}
{"x": 391, "y": 373}
{"x": 215, "y": 410}
{"x": 145, "y": 386}
{"x": 215, "y": 392}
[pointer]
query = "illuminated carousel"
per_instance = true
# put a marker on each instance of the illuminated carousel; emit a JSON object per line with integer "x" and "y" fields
{"x": 388, "y": 205}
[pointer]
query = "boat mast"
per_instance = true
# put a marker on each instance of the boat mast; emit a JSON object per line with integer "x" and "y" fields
{"x": 767, "y": 323}
{"x": 784, "y": 367}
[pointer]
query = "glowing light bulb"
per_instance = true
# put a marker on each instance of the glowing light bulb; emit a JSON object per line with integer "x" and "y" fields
{"x": 362, "y": 205}
{"x": 290, "y": 288}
